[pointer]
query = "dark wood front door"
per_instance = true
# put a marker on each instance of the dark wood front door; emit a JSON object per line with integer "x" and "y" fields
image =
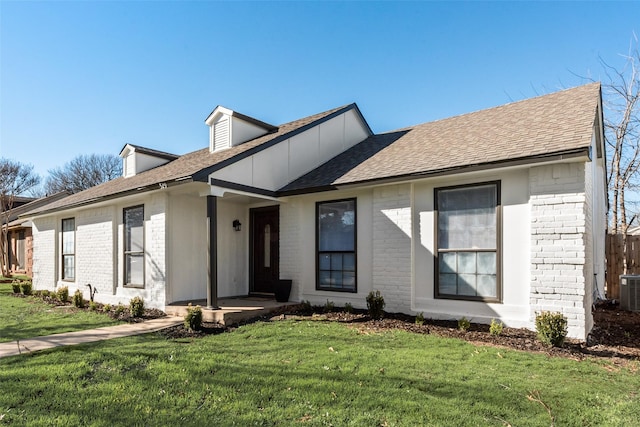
{"x": 265, "y": 248}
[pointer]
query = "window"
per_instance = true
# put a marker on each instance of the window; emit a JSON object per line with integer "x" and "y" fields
{"x": 467, "y": 239}
{"x": 20, "y": 250}
{"x": 336, "y": 245}
{"x": 69, "y": 249}
{"x": 134, "y": 246}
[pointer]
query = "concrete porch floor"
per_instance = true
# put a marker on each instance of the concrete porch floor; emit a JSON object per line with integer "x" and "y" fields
{"x": 232, "y": 310}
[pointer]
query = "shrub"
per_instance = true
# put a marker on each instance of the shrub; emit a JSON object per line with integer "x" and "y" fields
{"x": 420, "y": 319}
{"x": 27, "y": 287}
{"x": 348, "y": 308}
{"x": 106, "y": 308}
{"x": 136, "y": 307}
{"x": 464, "y": 324}
{"x": 45, "y": 293}
{"x": 328, "y": 306}
{"x": 551, "y": 328}
{"x": 119, "y": 309}
{"x": 63, "y": 294}
{"x": 78, "y": 300}
{"x": 93, "y": 306}
{"x": 193, "y": 319}
{"x": 496, "y": 327}
{"x": 15, "y": 285}
{"x": 375, "y": 304}
{"x": 305, "y": 307}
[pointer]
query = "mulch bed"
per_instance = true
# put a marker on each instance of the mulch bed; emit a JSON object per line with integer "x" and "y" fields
{"x": 616, "y": 334}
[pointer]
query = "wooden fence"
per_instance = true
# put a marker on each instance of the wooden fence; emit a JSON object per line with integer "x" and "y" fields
{"x": 614, "y": 251}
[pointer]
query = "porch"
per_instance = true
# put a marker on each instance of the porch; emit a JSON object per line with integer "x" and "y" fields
{"x": 232, "y": 310}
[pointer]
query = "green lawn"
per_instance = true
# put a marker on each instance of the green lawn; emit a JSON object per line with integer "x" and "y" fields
{"x": 22, "y": 318}
{"x": 312, "y": 373}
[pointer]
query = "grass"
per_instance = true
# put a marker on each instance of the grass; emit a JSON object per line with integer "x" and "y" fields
{"x": 311, "y": 373}
{"x": 22, "y": 318}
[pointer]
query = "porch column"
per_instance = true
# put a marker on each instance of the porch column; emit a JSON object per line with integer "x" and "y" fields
{"x": 212, "y": 258}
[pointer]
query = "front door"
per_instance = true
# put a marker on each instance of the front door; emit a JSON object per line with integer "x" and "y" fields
{"x": 265, "y": 249}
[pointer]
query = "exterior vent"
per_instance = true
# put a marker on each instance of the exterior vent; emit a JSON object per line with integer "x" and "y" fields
{"x": 630, "y": 293}
{"x": 221, "y": 135}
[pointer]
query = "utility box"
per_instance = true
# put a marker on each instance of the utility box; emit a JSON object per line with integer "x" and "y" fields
{"x": 630, "y": 293}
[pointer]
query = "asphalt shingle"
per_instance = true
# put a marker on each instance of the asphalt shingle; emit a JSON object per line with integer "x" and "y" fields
{"x": 545, "y": 125}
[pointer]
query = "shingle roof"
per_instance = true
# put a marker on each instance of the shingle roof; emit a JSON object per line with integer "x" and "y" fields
{"x": 551, "y": 124}
{"x": 196, "y": 165}
{"x": 33, "y": 204}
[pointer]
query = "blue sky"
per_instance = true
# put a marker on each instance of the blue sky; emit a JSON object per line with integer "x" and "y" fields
{"x": 88, "y": 77}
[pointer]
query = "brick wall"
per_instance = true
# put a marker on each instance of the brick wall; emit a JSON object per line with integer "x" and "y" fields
{"x": 392, "y": 245}
{"x": 44, "y": 249}
{"x": 290, "y": 247}
{"x": 94, "y": 250}
{"x": 558, "y": 243}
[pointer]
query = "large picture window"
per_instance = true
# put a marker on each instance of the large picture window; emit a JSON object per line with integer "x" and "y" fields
{"x": 336, "y": 245}
{"x": 468, "y": 253}
{"x": 69, "y": 249}
{"x": 134, "y": 246}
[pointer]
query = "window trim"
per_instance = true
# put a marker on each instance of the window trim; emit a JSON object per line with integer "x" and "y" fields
{"x": 355, "y": 246}
{"x": 498, "y": 250}
{"x": 125, "y": 252}
{"x": 62, "y": 252}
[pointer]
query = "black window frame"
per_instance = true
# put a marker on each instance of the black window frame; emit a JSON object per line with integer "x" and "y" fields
{"x": 130, "y": 253}
{"x": 497, "y": 251}
{"x": 319, "y": 287}
{"x": 64, "y": 254}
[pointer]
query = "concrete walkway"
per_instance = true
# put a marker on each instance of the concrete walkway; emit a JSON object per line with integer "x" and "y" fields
{"x": 31, "y": 345}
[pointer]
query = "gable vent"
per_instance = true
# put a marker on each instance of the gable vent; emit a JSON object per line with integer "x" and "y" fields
{"x": 630, "y": 293}
{"x": 221, "y": 135}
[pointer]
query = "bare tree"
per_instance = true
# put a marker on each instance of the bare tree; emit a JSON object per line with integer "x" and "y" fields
{"x": 621, "y": 93}
{"x": 15, "y": 179}
{"x": 622, "y": 124}
{"x": 83, "y": 172}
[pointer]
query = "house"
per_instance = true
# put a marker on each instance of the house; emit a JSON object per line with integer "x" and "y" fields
{"x": 19, "y": 239}
{"x": 498, "y": 213}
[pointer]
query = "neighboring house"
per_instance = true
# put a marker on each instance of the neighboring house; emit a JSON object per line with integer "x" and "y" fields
{"x": 20, "y": 241}
{"x": 494, "y": 214}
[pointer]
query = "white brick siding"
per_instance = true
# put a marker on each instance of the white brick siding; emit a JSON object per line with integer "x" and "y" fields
{"x": 94, "y": 250}
{"x": 98, "y": 252}
{"x": 290, "y": 247}
{"x": 44, "y": 250}
{"x": 392, "y": 231}
{"x": 559, "y": 264}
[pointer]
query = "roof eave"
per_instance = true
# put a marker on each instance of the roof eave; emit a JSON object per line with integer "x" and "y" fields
{"x": 541, "y": 158}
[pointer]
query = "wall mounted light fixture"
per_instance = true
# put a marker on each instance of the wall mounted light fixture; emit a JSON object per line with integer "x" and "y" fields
{"x": 237, "y": 226}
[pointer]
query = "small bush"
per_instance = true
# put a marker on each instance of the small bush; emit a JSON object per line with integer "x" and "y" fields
{"x": 328, "y": 306}
{"x": 27, "y": 287}
{"x": 551, "y": 328}
{"x": 464, "y": 324}
{"x": 420, "y": 319}
{"x": 306, "y": 307}
{"x": 15, "y": 285}
{"x": 193, "y": 319}
{"x": 496, "y": 327}
{"x": 63, "y": 294}
{"x": 106, "y": 308}
{"x": 93, "y": 306}
{"x": 119, "y": 309}
{"x": 45, "y": 293}
{"x": 78, "y": 300}
{"x": 348, "y": 308}
{"x": 136, "y": 307}
{"x": 375, "y": 304}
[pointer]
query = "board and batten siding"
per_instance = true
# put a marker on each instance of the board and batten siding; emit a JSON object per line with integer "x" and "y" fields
{"x": 280, "y": 164}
